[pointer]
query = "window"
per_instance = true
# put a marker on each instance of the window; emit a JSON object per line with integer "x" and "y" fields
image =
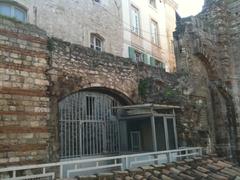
{"x": 156, "y": 63}
{"x": 135, "y": 20}
{"x": 135, "y": 140}
{"x": 171, "y": 133}
{"x": 96, "y": 42}
{"x": 154, "y": 31}
{"x": 152, "y": 61}
{"x": 159, "y": 64}
{"x": 139, "y": 56}
{"x": 160, "y": 134}
{"x": 152, "y": 3}
{"x": 166, "y": 134}
{"x": 13, "y": 11}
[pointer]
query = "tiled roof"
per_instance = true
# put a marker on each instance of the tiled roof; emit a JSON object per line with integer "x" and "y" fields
{"x": 204, "y": 168}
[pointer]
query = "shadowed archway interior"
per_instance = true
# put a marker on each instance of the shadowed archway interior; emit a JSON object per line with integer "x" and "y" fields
{"x": 88, "y": 124}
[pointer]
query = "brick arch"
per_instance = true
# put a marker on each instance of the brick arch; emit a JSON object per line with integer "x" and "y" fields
{"x": 212, "y": 72}
{"x": 204, "y": 49}
{"x": 117, "y": 93}
{"x": 121, "y": 96}
{"x": 218, "y": 86}
{"x": 72, "y": 85}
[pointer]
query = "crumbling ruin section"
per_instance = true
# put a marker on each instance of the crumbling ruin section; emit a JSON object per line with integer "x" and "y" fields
{"x": 211, "y": 39}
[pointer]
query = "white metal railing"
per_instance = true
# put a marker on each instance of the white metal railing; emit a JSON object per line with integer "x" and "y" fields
{"x": 78, "y": 167}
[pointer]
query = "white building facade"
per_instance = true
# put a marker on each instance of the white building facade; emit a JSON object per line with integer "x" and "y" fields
{"x": 148, "y": 31}
{"x": 138, "y": 29}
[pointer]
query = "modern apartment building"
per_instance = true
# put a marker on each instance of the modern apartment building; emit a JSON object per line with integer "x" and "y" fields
{"x": 141, "y": 30}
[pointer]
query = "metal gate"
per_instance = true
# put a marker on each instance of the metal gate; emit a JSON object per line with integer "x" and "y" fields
{"x": 88, "y": 125}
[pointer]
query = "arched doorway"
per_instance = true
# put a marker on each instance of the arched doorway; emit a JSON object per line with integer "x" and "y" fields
{"x": 88, "y": 125}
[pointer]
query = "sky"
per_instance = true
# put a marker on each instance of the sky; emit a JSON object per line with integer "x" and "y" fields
{"x": 189, "y": 7}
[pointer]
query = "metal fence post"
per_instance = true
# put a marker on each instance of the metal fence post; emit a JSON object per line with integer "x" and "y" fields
{"x": 169, "y": 157}
{"x": 61, "y": 171}
{"x": 127, "y": 163}
{"x": 200, "y": 151}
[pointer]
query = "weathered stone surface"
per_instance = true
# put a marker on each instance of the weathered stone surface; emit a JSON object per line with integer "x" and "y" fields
{"x": 36, "y": 72}
{"x": 207, "y": 51}
{"x": 24, "y": 105}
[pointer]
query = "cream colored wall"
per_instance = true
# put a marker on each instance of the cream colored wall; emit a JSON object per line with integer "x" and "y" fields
{"x": 170, "y": 15}
{"x": 164, "y": 15}
{"x": 75, "y": 20}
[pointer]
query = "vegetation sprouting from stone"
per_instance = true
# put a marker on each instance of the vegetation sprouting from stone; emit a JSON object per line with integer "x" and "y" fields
{"x": 50, "y": 44}
{"x": 142, "y": 87}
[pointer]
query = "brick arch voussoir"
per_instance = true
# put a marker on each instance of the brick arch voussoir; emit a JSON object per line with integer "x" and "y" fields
{"x": 207, "y": 60}
{"x": 116, "y": 92}
{"x": 221, "y": 87}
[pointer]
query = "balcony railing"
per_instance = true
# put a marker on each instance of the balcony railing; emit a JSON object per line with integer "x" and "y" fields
{"x": 72, "y": 168}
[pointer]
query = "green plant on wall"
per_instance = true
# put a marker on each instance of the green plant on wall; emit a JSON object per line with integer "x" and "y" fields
{"x": 142, "y": 87}
{"x": 169, "y": 93}
{"x": 50, "y": 45}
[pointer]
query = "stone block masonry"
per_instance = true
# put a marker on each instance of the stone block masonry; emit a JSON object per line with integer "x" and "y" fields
{"x": 37, "y": 72}
{"x": 211, "y": 39}
{"x": 74, "y": 68}
{"x": 24, "y": 103}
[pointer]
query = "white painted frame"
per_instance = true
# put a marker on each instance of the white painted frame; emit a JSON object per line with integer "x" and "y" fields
{"x": 138, "y": 133}
{"x": 122, "y": 161}
{"x": 13, "y": 7}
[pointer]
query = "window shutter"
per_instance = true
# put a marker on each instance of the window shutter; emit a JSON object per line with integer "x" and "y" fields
{"x": 152, "y": 61}
{"x": 145, "y": 58}
{"x": 131, "y": 53}
{"x": 161, "y": 65}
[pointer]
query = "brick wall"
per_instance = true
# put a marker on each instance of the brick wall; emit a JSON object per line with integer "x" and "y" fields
{"x": 24, "y": 103}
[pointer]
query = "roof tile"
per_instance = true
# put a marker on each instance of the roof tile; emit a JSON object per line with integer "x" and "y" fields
{"x": 205, "y": 168}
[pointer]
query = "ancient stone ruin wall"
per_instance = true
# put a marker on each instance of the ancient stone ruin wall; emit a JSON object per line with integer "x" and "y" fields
{"x": 37, "y": 72}
{"x": 211, "y": 38}
{"x": 74, "y": 67}
{"x": 234, "y": 53}
{"x": 24, "y": 102}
